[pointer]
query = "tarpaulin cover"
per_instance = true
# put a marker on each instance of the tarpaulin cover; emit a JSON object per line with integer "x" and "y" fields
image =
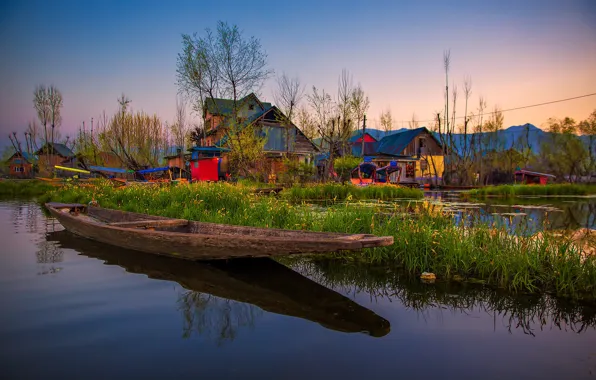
{"x": 113, "y": 170}
{"x": 153, "y": 170}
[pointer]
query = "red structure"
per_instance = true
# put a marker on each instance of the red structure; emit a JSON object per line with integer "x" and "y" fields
{"x": 529, "y": 178}
{"x": 205, "y": 169}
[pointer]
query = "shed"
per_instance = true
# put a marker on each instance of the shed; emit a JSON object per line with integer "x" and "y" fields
{"x": 529, "y": 177}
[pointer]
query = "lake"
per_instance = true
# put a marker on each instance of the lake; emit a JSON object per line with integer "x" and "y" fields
{"x": 73, "y": 308}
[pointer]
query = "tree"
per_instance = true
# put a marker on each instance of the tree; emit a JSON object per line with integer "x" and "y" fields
{"x": 413, "y": 123}
{"x": 588, "y": 128}
{"x": 41, "y": 102}
{"x": 563, "y": 153}
{"x": 287, "y": 97}
{"x": 225, "y": 64}
{"x": 306, "y": 123}
{"x": 359, "y": 104}
{"x": 323, "y": 107}
{"x": 345, "y": 91}
{"x": 55, "y": 108}
{"x": 386, "y": 121}
{"x": 138, "y": 140}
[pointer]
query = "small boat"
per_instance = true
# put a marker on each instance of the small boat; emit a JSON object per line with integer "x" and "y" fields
{"x": 365, "y": 173}
{"x": 191, "y": 240}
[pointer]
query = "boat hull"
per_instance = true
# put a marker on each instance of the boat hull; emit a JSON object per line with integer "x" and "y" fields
{"x": 202, "y": 243}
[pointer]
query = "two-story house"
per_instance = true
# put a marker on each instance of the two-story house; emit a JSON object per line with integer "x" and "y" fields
{"x": 282, "y": 137}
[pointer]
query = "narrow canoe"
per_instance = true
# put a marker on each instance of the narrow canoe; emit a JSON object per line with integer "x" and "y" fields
{"x": 190, "y": 240}
{"x": 261, "y": 282}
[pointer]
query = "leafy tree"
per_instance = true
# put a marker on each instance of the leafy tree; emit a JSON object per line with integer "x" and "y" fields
{"x": 563, "y": 153}
{"x": 588, "y": 128}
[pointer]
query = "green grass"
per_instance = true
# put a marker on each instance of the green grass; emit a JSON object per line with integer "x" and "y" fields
{"x": 335, "y": 191}
{"x": 24, "y": 188}
{"x": 509, "y": 191}
{"x": 429, "y": 242}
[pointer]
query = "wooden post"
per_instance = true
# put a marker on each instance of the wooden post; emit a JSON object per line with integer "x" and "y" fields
{"x": 363, "y": 132}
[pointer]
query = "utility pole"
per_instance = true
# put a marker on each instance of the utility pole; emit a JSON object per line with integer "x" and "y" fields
{"x": 363, "y": 132}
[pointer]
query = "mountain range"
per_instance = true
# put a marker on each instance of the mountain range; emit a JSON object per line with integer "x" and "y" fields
{"x": 516, "y": 136}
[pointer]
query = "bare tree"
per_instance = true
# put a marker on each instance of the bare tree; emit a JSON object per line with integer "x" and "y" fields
{"x": 55, "y": 104}
{"x": 41, "y": 102}
{"x": 306, "y": 123}
{"x": 287, "y": 97}
{"x": 360, "y": 104}
{"x": 345, "y": 91}
{"x": 323, "y": 107}
{"x": 386, "y": 120}
{"x": 179, "y": 128}
{"x": 33, "y": 133}
{"x": 446, "y": 65}
{"x": 467, "y": 93}
{"x": 413, "y": 123}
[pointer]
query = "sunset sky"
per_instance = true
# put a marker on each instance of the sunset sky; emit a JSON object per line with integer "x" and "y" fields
{"x": 516, "y": 52}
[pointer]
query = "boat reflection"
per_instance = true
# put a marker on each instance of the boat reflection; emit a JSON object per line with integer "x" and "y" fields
{"x": 260, "y": 282}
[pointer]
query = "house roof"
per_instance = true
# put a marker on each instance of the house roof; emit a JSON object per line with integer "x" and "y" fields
{"x": 61, "y": 149}
{"x": 396, "y": 143}
{"x": 358, "y": 135}
{"x": 218, "y": 106}
{"x": 370, "y": 148}
{"x": 277, "y": 115}
{"x": 30, "y": 158}
{"x": 531, "y": 173}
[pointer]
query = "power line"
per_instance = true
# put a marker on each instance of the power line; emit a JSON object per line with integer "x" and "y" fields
{"x": 507, "y": 110}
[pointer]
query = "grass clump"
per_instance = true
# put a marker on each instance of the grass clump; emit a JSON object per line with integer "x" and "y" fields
{"x": 24, "y": 188}
{"x": 336, "y": 191}
{"x": 510, "y": 191}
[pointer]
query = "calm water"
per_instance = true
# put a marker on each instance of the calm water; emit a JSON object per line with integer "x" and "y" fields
{"x": 66, "y": 314}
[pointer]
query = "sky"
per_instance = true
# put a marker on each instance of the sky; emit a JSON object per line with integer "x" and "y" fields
{"x": 517, "y": 53}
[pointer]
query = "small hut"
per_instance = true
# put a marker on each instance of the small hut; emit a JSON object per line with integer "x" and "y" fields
{"x": 529, "y": 177}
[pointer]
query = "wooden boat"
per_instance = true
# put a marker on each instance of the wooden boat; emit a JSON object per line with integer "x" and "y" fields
{"x": 261, "y": 282}
{"x": 190, "y": 240}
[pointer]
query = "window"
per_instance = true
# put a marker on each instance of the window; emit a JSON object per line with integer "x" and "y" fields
{"x": 19, "y": 169}
{"x": 251, "y": 107}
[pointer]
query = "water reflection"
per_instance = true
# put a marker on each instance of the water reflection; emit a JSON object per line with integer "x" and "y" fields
{"x": 214, "y": 317}
{"x": 514, "y": 312}
{"x": 224, "y": 296}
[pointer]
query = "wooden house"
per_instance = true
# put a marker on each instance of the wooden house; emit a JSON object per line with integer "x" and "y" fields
{"x": 282, "y": 138}
{"x": 529, "y": 177}
{"x": 21, "y": 165}
{"x": 417, "y": 152}
{"x": 50, "y": 155}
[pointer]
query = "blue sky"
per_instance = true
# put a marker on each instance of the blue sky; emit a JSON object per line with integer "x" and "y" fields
{"x": 517, "y": 52}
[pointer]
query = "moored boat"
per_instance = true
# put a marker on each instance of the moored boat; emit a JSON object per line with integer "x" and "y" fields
{"x": 192, "y": 240}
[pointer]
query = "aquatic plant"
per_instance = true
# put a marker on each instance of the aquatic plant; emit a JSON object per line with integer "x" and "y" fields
{"x": 24, "y": 188}
{"x": 336, "y": 191}
{"x": 509, "y": 191}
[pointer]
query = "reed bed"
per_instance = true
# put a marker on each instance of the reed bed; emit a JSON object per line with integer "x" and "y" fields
{"x": 428, "y": 242}
{"x": 510, "y": 191}
{"x": 336, "y": 191}
{"x": 24, "y": 188}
